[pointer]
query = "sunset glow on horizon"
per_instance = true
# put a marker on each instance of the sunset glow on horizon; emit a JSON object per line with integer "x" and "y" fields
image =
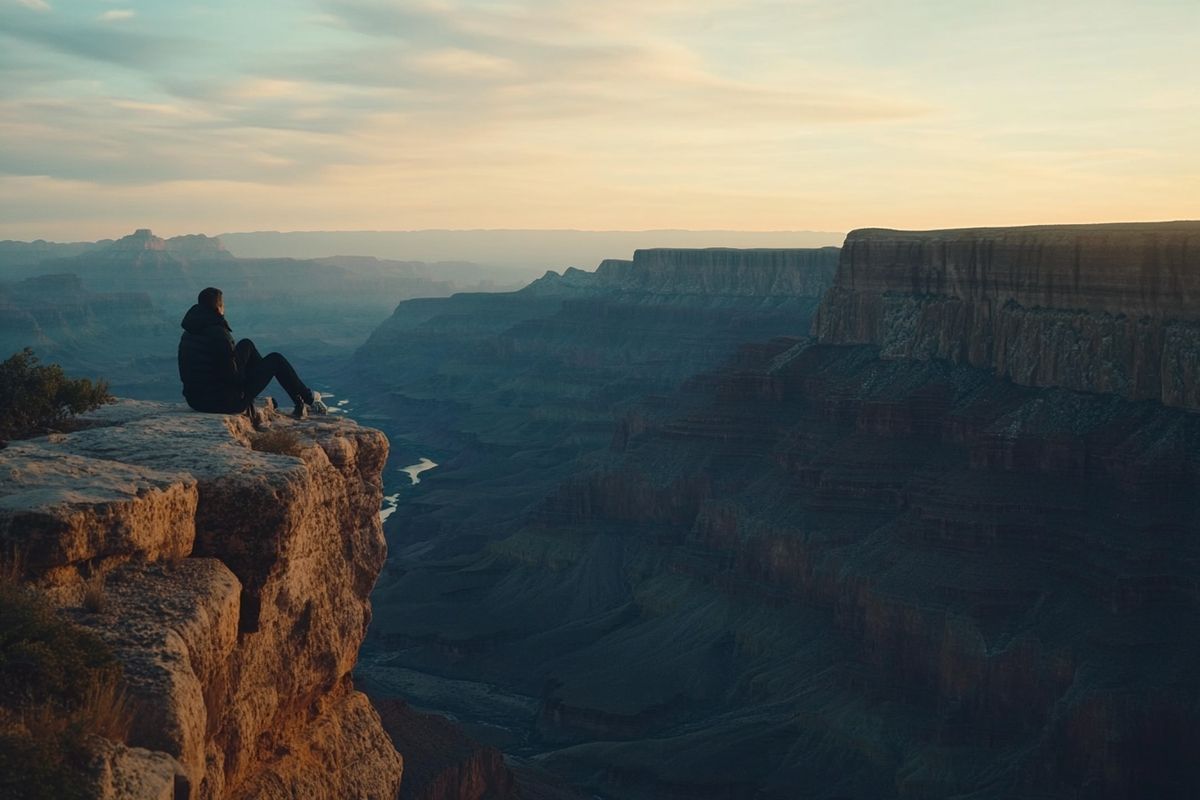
{"x": 727, "y": 114}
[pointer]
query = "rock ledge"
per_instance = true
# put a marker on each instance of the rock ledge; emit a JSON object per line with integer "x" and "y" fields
{"x": 236, "y": 588}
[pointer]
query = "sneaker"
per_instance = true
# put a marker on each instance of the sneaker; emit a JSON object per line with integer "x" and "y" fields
{"x": 318, "y": 407}
{"x": 300, "y": 411}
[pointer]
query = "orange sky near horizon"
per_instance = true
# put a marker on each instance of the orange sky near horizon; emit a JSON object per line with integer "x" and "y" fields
{"x": 726, "y": 114}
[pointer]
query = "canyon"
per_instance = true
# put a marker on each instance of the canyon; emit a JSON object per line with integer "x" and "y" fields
{"x": 941, "y": 546}
{"x": 111, "y": 308}
{"x": 519, "y": 388}
{"x": 911, "y": 518}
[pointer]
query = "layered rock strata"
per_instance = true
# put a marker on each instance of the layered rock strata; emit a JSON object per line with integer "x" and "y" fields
{"x": 537, "y": 376}
{"x": 833, "y": 575}
{"x": 55, "y": 315}
{"x": 713, "y": 271}
{"x": 235, "y": 585}
{"x": 1113, "y": 309}
{"x": 866, "y": 566}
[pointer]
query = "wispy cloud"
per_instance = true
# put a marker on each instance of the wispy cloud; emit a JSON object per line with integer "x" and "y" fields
{"x": 117, "y": 15}
{"x": 96, "y": 43}
{"x": 635, "y": 113}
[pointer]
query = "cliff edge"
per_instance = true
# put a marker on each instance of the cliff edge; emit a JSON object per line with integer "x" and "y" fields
{"x": 1110, "y": 309}
{"x": 235, "y": 593}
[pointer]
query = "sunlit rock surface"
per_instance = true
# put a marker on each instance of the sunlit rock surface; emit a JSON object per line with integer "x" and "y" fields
{"x": 235, "y": 588}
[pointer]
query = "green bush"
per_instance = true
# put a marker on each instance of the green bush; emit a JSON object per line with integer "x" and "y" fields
{"x": 35, "y": 398}
{"x": 58, "y": 685}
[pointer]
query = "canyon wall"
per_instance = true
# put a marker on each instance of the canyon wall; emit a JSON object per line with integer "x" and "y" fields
{"x": 1113, "y": 309}
{"x": 58, "y": 317}
{"x": 235, "y": 594}
{"x": 539, "y": 375}
{"x": 723, "y": 271}
{"x": 112, "y": 310}
{"x": 868, "y": 565}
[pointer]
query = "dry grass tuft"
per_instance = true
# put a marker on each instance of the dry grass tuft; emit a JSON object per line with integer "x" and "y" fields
{"x": 105, "y": 710}
{"x": 59, "y": 686}
{"x": 280, "y": 441}
{"x": 94, "y": 598}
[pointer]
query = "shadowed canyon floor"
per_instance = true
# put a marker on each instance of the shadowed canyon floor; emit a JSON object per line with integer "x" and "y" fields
{"x": 832, "y": 569}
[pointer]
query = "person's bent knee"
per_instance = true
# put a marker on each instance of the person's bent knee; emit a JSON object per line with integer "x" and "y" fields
{"x": 244, "y": 343}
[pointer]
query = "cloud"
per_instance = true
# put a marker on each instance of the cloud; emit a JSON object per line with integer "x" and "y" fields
{"x": 118, "y": 141}
{"x": 117, "y": 15}
{"x": 572, "y": 59}
{"x": 444, "y": 111}
{"x": 103, "y": 44}
{"x": 36, "y": 5}
{"x": 458, "y": 62}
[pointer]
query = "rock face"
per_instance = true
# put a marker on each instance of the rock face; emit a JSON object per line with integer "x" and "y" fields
{"x": 824, "y": 571}
{"x": 58, "y": 317}
{"x": 113, "y": 309}
{"x": 712, "y": 271}
{"x": 868, "y": 566}
{"x": 540, "y": 374}
{"x": 442, "y": 762}
{"x": 235, "y": 589}
{"x": 1113, "y": 309}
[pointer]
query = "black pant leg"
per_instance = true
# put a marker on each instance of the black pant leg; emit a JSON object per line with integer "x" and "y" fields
{"x": 260, "y": 371}
{"x": 245, "y": 354}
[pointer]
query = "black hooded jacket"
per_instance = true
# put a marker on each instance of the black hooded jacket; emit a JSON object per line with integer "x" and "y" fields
{"x": 207, "y": 365}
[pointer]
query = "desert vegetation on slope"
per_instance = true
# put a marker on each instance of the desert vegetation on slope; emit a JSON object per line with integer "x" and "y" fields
{"x": 59, "y": 687}
{"x": 35, "y": 398}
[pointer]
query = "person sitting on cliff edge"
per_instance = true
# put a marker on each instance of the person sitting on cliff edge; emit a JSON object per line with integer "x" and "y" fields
{"x": 225, "y": 378}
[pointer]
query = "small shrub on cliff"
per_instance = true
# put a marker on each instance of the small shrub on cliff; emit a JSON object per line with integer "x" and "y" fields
{"x": 280, "y": 441}
{"x": 58, "y": 685}
{"x": 36, "y": 397}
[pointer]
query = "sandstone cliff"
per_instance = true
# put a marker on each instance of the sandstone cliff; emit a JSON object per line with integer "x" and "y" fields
{"x": 1101, "y": 308}
{"x": 235, "y": 594}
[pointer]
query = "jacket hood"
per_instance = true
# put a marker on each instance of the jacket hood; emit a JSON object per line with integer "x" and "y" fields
{"x": 200, "y": 317}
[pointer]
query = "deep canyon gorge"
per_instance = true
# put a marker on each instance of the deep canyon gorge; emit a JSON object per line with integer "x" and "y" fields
{"x": 914, "y": 517}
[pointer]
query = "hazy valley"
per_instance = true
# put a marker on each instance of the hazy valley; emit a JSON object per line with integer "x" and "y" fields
{"x": 913, "y": 517}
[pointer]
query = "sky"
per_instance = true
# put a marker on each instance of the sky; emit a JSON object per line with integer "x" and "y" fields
{"x": 236, "y": 115}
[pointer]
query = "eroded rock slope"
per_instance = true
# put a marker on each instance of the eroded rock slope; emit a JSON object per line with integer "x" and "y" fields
{"x": 871, "y": 565}
{"x": 532, "y": 380}
{"x": 235, "y": 593}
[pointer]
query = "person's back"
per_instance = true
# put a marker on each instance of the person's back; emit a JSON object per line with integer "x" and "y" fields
{"x": 207, "y": 366}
